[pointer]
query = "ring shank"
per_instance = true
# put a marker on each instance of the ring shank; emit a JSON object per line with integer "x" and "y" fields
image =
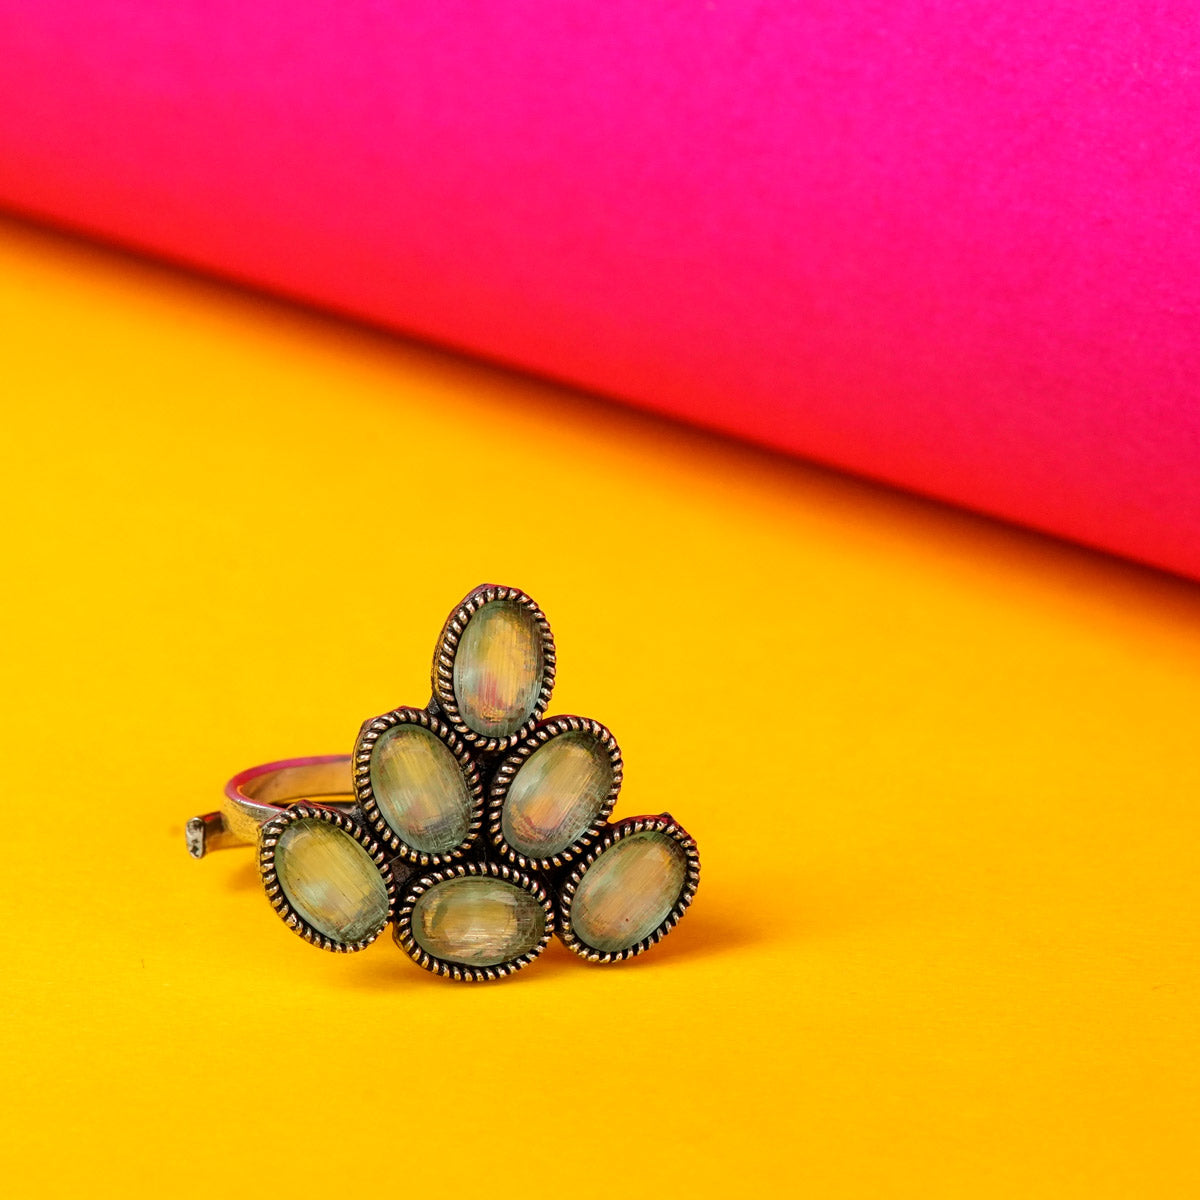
{"x": 254, "y": 796}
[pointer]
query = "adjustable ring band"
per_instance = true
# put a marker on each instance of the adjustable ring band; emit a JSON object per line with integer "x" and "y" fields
{"x": 259, "y": 794}
{"x": 476, "y": 826}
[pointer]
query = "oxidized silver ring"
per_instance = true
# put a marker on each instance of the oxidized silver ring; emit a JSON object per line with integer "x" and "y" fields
{"x": 476, "y": 826}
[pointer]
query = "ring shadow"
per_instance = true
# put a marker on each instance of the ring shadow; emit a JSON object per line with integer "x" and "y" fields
{"x": 701, "y": 935}
{"x": 246, "y": 878}
{"x": 718, "y": 926}
{"x": 733, "y": 919}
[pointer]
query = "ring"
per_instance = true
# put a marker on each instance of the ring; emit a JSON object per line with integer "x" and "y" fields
{"x": 476, "y": 826}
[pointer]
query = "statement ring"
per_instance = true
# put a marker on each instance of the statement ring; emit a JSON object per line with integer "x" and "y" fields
{"x": 476, "y": 826}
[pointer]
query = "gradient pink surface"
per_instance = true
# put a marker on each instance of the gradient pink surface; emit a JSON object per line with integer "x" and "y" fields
{"x": 955, "y": 247}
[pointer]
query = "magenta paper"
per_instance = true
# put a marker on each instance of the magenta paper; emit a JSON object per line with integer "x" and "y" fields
{"x": 953, "y": 246}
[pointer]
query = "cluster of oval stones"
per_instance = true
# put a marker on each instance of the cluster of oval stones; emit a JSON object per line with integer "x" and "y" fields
{"x": 479, "y": 828}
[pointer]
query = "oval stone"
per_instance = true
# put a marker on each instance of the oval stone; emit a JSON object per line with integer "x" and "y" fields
{"x": 498, "y": 669}
{"x": 330, "y": 880}
{"x": 477, "y": 921}
{"x": 556, "y": 794}
{"x": 420, "y": 789}
{"x": 629, "y": 891}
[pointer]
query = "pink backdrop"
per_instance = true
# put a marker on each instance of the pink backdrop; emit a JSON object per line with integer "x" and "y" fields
{"x": 954, "y": 246}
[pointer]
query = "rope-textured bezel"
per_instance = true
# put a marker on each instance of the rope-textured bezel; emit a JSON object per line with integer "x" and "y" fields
{"x": 267, "y": 845}
{"x": 364, "y": 791}
{"x": 508, "y": 770}
{"x": 403, "y": 934}
{"x": 447, "y": 650}
{"x": 615, "y": 834}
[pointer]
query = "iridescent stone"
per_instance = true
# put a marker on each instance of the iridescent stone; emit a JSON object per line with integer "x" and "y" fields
{"x": 498, "y": 669}
{"x": 629, "y": 891}
{"x": 556, "y": 794}
{"x": 330, "y": 880}
{"x": 477, "y": 921}
{"x": 420, "y": 789}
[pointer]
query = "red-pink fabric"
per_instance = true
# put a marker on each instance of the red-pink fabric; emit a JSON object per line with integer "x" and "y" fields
{"x": 954, "y": 246}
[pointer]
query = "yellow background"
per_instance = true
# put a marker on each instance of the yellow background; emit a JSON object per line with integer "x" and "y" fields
{"x": 943, "y": 775}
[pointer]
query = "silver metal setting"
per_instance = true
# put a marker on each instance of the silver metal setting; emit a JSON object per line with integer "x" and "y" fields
{"x": 447, "y": 649}
{"x": 269, "y": 840}
{"x": 507, "y": 772}
{"x": 623, "y": 829}
{"x": 368, "y": 736}
{"x": 261, "y": 802}
{"x": 403, "y": 934}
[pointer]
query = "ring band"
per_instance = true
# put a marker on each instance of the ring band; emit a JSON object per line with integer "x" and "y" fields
{"x": 476, "y": 826}
{"x": 259, "y": 794}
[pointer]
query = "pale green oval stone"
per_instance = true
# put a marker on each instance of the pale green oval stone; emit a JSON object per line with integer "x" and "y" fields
{"x": 477, "y": 921}
{"x": 420, "y": 789}
{"x": 498, "y": 669}
{"x": 556, "y": 794}
{"x": 629, "y": 891}
{"x": 330, "y": 880}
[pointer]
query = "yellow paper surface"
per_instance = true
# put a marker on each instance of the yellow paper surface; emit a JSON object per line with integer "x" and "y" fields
{"x": 943, "y": 774}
